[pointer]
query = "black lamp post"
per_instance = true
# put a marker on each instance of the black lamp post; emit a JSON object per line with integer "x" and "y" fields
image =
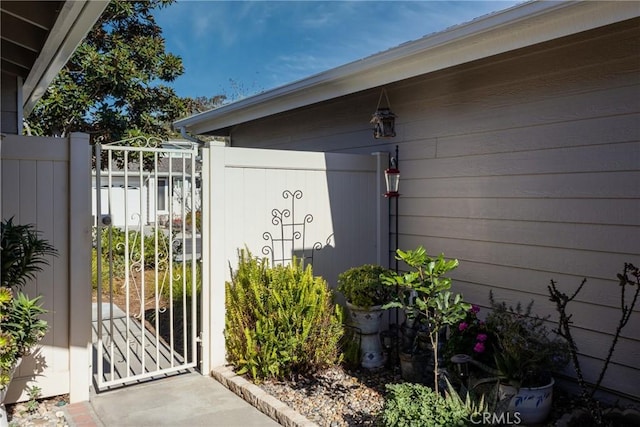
{"x": 392, "y": 181}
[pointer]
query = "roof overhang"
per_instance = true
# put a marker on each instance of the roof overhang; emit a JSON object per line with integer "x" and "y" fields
{"x": 514, "y": 28}
{"x": 39, "y": 37}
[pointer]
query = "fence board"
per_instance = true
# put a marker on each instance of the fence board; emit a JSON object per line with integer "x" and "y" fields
{"x": 246, "y": 185}
{"x": 35, "y": 190}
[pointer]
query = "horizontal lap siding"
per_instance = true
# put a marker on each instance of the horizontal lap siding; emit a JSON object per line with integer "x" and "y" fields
{"x": 525, "y": 167}
{"x": 533, "y": 177}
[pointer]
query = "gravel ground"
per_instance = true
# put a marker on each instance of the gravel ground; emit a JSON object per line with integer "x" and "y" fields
{"x": 336, "y": 397}
{"x": 47, "y": 413}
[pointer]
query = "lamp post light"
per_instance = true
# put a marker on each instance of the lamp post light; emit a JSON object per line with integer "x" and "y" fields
{"x": 461, "y": 363}
{"x": 392, "y": 179}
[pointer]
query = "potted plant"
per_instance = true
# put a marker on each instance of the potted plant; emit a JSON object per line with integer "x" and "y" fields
{"x": 526, "y": 353}
{"x": 470, "y": 336}
{"x": 365, "y": 293}
{"x": 22, "y": 253}
{"x": 425, "y": 293}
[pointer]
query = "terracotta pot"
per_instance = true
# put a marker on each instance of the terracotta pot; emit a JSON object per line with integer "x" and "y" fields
{"x": 416, "y": 367}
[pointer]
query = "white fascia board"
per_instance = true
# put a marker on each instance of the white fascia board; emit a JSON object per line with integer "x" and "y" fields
{"x": 520, "y": 26}
{"x": 75, "y": 20}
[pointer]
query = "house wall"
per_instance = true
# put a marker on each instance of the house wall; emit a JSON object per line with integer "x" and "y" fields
{"x": 45, "y": 182}
{"x": 524, "y": 166}
{"x": 9, "y": 102}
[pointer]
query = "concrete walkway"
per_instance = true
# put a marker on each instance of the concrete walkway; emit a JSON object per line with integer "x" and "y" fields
{"x": 183, "y": 400}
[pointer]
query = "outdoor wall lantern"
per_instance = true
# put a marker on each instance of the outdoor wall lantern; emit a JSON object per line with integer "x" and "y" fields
{"x": 383, "y": 120}
{"x": 392, "y": 178}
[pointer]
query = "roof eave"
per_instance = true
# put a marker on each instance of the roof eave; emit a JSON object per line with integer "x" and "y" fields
{"x": 74, "y": 21}
{"x": 520, "y": 26}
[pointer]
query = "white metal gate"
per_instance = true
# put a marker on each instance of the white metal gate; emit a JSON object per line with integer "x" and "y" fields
{"x": 147, "y": 260}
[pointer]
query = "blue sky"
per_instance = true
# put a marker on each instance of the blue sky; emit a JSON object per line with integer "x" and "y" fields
{"x": 240, "y": 48}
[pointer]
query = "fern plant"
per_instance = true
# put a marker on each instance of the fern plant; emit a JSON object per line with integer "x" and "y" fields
{"x": 279, "y": 321}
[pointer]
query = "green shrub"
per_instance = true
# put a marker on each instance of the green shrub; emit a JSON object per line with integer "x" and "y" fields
{"x": 279, "y": 321}
{"x": 181, "y": 282}
{"x": 117, "y": 262}
{"x": 363, "y": 286}
{"x": 118, "y": 245}
{"x": 415, "y": 405}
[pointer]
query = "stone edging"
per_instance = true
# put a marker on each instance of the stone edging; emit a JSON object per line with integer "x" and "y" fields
{"x": 260, "y": 399}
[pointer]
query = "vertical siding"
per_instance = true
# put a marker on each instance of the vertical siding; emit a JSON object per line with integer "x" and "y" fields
{"x": 241, "y": 189}
{"x": 337, "y": 198}
{"x": 524, "y": 166}
{"x": 35, "y": 190}
{"x": 9, "y": 103}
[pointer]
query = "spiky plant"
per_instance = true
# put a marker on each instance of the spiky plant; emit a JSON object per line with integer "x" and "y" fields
{"x": 23, "y": 253}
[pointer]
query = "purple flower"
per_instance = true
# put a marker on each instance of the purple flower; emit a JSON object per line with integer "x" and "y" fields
{"x": 475, "y": 309}
{"x": 481, "y": 337}
{"x": 462, "y": 326}
{"x": 479, "y": 347}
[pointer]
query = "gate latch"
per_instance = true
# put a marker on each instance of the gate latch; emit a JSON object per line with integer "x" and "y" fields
{"x": 106, "y": 220}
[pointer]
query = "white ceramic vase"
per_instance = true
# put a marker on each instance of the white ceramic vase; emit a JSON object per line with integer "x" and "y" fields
{"x": 367, "y": 321}
{"x": 533, "y": 404}
{"x": 4, "y": 422}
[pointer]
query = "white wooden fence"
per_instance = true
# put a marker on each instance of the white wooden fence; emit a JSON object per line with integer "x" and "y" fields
{"x": 46, "y": 182}
{"x": 243, "y": 187}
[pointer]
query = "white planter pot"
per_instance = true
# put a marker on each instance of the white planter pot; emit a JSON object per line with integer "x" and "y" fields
{"x": 367, "y": 321}
{"x": 4, "y": 422}
{"x": 372, "y": 355}
{"x": 532, "y": 404}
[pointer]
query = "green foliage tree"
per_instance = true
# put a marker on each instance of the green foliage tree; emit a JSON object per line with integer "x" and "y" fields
{"x": 425, "y": 289}
{"x": 113, "y": 87}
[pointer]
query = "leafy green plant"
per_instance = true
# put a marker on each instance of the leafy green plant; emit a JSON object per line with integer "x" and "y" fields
{"x": 362, "y": 286}
{"x": 412, "y": 405}
{"x": 34, "y": 392}
{"x": 470, "y": 336}
{"x": 23, "y": 253}
{"x": 116, "y": 239}
{"x": 279, "y": 321}
{"x": 526, "y": 352}
{"x": 426, "y": 290}
{"x": 141, "y": 247}
{"x": 181, "y": 282}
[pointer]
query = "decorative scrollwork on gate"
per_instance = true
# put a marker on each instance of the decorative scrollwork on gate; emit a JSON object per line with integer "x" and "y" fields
{"x": 281, "y": 248}
{"x": 140, "y": 141}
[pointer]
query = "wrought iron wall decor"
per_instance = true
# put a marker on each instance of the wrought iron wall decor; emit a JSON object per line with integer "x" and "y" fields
{"x": 282, "y": 249}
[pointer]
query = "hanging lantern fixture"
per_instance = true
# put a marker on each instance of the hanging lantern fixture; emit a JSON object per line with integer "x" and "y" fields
{"x": 383, "y": 120}
{"x": 392, "y": 178}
